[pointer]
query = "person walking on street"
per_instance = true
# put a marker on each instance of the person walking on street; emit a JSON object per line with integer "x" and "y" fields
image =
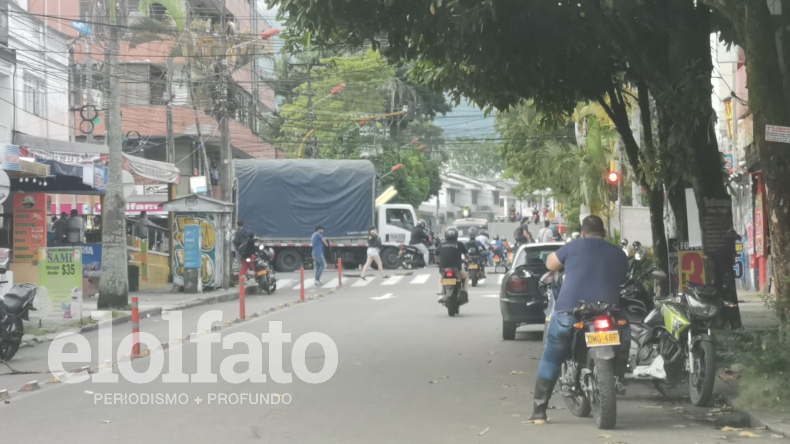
{"x": 239, "y": 238}
{"x": 374, "y": 249}
{"x": 545, "y": 234}
{"x": 319, "y": 242}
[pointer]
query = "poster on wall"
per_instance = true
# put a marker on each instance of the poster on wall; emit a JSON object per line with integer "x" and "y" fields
{"x": 91, "y": 269}
{"x": 60, "y": 282}
{"x": 691, "y": 262}
{"x": 210, "y": 254}
{"x": 30, "y": 226}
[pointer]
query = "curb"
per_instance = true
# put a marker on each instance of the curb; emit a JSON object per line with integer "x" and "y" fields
{"x": 730, "y": 395}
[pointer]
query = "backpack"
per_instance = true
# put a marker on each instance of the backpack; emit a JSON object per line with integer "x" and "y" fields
{"x": 518, "y": 235}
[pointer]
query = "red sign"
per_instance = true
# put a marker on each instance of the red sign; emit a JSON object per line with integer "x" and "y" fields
{"x": 759, "y": 225}
{"x": 30, "y": 226}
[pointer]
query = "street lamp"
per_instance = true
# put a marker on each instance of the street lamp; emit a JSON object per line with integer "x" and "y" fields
{"x": 269, "y": 33}
{"x": 395, "y": 168}
{"x": 335, "y": 91}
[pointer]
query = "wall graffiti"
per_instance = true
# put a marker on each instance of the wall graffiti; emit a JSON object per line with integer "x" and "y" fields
{"x": 210, "y": 253}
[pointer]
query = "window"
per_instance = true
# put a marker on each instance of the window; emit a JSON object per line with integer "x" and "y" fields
{"x": 400, "y": 218}
{"x": 496, "y": 196}
{"x": 34, "y": 96}
{"x": 474, "y": 196}
{"x": 535, "y": 256}
{"x": 452, "y": 195}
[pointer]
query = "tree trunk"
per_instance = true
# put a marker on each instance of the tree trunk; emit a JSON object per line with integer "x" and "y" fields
{"x": 114, "y": 280}
{"x": 677, "y": 201}
{"x": 766, "y": 88}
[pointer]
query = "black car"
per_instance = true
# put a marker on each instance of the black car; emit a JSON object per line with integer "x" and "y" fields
{"x": 519, "y": 297}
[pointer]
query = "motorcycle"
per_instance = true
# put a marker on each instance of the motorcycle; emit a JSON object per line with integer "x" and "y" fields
{"x": 264, "y": 272}
{"x": 14, "y": 308}
{"x": 587, "y": 380}
{"x": 453, "y": 296}
{"x": 409, "y": 257}
{"x": 675, "y": 339}
{"x": 476, "y": 266}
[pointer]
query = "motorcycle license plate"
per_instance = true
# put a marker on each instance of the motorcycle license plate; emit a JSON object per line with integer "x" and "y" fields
{"x": 400, "y": 253}
{"x": 448, "y": 281}
{"x": 602, "y": 338}
{"x": 473, "y": 266}
{"x": 496, "y": 259}
{"x": 262, "y": 272}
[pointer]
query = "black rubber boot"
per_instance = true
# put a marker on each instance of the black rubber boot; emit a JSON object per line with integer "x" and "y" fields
{"x": 543, "y": 391}
{"x": 620, "y": 367}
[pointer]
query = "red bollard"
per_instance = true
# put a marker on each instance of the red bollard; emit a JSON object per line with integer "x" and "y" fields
{"x": 242, "y": 302}
{"x": 135, "y": 329}
{"x": 301, "y": 284}
{"x": 340, "y": 272}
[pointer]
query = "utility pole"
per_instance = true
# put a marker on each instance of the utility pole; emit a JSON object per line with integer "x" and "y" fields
{"x": 89, "y": 69}
{"x": 171, "y": 142}
{"x": 226, "y": 169}
{"x": 311, "y": 111}
{"x": 114, "y": 281}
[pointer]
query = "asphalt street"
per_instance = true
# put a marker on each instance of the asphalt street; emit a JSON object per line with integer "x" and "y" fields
{"x": 407, "y": 373}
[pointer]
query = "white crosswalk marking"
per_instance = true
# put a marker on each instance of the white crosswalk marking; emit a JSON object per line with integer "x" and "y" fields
{"x": 362, "y": 282}
{"x": 284, "y": 283}
{"x": 420, "y": 279}
{"x": 392, "y": 280}
{"x": 307, "y": 283}
{"x": 331, "y": 284}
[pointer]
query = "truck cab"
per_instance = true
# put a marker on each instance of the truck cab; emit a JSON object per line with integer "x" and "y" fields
{"x": 394, "y": 223}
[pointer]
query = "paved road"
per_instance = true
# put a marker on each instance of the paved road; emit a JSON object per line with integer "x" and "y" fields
{"x": 407, "y": 373}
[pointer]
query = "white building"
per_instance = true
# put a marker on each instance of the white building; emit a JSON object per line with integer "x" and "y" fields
{"x": 34, "y": 77}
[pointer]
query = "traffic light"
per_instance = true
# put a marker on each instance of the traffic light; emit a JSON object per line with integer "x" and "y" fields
{"x": 613, "y": 179}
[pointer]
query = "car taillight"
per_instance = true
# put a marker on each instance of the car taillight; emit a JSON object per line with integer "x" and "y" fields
{"x": 448, "y": 273}
{"x": 602, "y": 324}
{"x": 517, "y": 285}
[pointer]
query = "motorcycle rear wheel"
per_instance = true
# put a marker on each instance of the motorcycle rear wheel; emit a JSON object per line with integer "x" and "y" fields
{"x": 604, "y": 402}
{"x": 9, "y": 349}
{"x": 578, "y": 405}
{"x": 701, "y": 382}
{"x": 474, "y": 280}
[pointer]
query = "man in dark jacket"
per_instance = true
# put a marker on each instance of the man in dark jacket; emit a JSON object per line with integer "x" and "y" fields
{"x": 240, "y": 237}
{"x": 419, "y": 239}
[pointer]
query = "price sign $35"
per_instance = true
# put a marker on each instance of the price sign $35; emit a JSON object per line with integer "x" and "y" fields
{"x": 67, "y": 269}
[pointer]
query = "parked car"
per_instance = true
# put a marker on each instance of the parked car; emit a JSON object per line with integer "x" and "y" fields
{"x": 520, "y": 299}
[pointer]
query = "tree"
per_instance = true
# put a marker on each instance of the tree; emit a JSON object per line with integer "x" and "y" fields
{"x": 479, "y": 158}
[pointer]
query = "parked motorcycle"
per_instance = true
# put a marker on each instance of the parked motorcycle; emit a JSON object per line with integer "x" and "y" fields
{"x": 453, "y": 296}
{"x": 675, "y": 339}
{"x": 14, "y": 308}
{"x": 264, "y": 272}
{"x": 476, "y": 266}
{"x": 587, "y": 380}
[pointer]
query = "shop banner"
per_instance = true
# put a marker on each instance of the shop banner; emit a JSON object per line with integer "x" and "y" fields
{"x": 30, "y": 226}
{"x": 151, "y": 169}
{"x": 61, "y": 157}
{"x": 9, "y": 157}
{"x": 60, "y": 281}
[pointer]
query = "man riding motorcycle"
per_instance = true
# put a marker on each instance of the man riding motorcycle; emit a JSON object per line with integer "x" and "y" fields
{"x": 420, "y": 239}
{"x": 499, "y": 248}
{"x": 451, "y": 255}
{"x": 594, "y": 270}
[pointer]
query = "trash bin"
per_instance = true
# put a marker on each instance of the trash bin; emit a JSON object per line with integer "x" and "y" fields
{"x": 134, "y": 278}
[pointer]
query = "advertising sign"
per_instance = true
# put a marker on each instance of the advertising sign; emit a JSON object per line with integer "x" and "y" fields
{"x": 192, "y": 246}
{"x": 759, "y": 232}
{"x": 60, "y": 280}
{"x": 210, "y": 254}
{"x": 729, "y": 162}
{"x": 9, "y": 157}
{"x": 740, "y": 261}
{"x": 91, "y": 268}
{"x": 30, "y": 226}
{"x": 100, "y": 177}
{"x": 774, "y": 133}
{"x": 692, "y": 266}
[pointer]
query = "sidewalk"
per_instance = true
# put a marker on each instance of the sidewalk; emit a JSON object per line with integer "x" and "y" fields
{"x": 756, "y": 317}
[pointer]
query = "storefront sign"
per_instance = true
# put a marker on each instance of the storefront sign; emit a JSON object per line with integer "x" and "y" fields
{"x": 60, "y": 281}
{"x": 100, "y": 177}
{"x": 780, "y": 134}
{"x": 759, "y": 232}
{"x": 61, "y": 157}
{"x": 192, "y": 246}
{"x": 9, "y": 157}
{"x": 30, "y": 226}
{"x": 159, "y": 171}
{"x": 692, "y": 267}
{"x": 718, "y": 234}
{"x": 132, "y": 208}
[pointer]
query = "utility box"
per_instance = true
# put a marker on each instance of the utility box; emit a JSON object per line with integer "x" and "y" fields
{"x": 212, "y": 218}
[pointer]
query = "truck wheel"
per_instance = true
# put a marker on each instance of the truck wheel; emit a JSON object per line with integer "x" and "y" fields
{"x": 389, "y": 258}
{"x": 288, "y": 260}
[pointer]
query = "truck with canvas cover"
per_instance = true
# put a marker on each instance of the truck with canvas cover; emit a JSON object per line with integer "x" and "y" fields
{"x": 283, "y": 201}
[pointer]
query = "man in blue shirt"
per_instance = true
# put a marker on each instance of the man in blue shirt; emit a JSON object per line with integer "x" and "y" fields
{"x": 594, "y": 270}
{"x": 319, "y": 242}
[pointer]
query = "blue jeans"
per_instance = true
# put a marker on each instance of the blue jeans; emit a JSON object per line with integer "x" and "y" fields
{"x": 558, "y": 343}
{"x": 320, "y": 266}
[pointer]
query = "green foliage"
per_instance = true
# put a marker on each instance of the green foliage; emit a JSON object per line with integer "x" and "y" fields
{"x": 478, "y": 158}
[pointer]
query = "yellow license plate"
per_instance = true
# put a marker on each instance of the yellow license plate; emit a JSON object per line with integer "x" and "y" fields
{"x": 400, "y": 253}
{"x": 473, "y": 266}
{"x": 496, "y": 259}
{"x": 262, "y": 272}
{"x": 448, "y": 281}
{"x": 602, "y": 338}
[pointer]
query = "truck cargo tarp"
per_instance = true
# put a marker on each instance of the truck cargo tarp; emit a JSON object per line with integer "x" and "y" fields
{"x": 289, "y": 198}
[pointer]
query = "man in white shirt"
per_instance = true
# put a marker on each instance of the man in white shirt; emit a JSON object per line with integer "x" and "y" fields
{"x": 545, "y": 234}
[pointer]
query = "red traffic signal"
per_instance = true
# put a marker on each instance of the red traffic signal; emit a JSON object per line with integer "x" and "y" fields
{"x": 613, "y": 177}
